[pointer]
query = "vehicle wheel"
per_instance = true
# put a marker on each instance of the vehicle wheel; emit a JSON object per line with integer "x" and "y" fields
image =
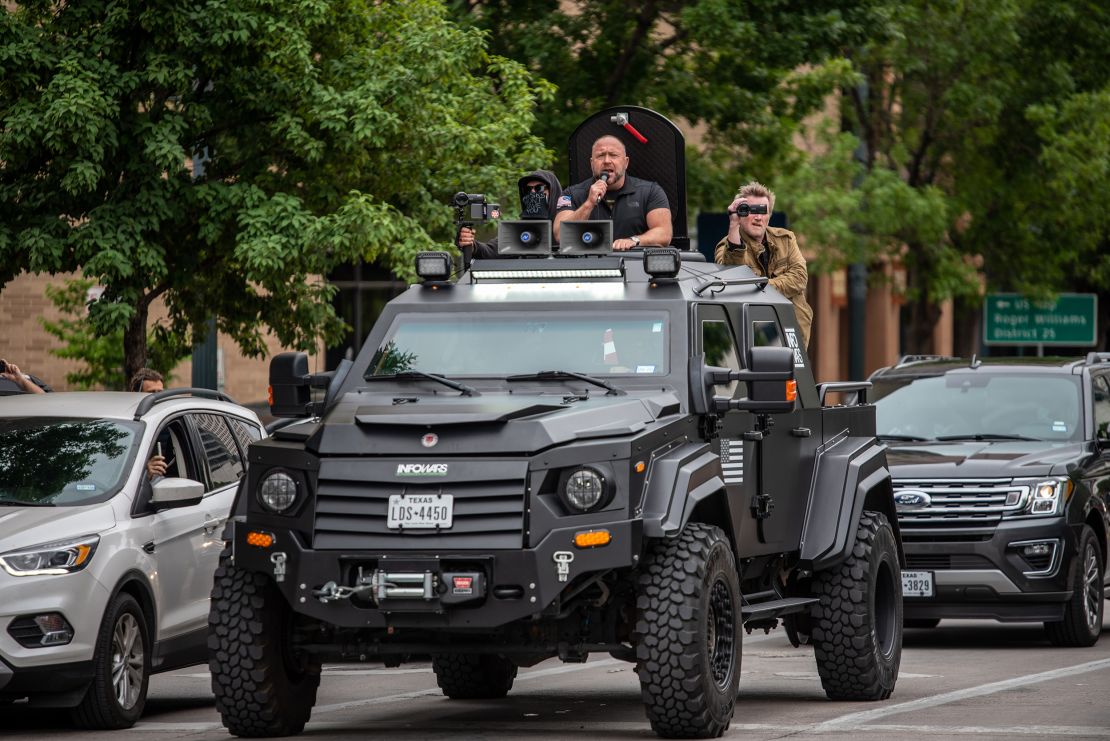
{"x": 474, "y": 676}
{"x": 857, "y": 625}
{"x": 1082, "y": 621}
{"x": 121, "y": 669}
{"x": 923, "y": 623}
{"x": 261, "y": 688}
{"x": 688, "y": 634}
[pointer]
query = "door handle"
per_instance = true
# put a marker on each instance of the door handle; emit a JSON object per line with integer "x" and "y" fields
{"x": 211, "y": 525}
{"x": 801, "y": 432}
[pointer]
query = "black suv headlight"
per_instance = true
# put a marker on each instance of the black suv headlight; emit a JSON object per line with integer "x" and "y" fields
{"x": 278, "y": 491}
{"x": 585, "y": 488}
{"x": 1044, "y": 497}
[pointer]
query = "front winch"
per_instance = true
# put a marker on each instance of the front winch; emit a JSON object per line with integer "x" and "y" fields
{"x": 380, "y": 585}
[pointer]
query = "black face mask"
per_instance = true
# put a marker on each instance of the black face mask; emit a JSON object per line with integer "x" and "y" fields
{"x": 534, "y": 206}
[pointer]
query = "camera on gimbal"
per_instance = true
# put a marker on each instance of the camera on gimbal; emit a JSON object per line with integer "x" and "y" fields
{"x": 473, "y": 207}
{"x": 745, "y": 209}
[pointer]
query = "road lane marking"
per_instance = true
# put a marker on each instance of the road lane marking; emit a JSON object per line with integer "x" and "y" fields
{"x": 553, "y": 671}
{"x": 855, "y": 720}
{"x": 555, "y": 725}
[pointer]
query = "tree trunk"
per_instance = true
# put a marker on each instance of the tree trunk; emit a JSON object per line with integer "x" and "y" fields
{"x": 924, "y": 313}
{"x": 134, "y": 342}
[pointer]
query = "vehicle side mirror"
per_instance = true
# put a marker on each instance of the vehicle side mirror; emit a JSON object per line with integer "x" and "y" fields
{"x": 772, "y": 360}
{"x": 290, "y": 393}
{"x": 170, "y": 493}
{"x": 770, "y": 379}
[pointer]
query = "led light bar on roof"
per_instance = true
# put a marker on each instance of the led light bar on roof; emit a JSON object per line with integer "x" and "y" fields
{"x": 548, "y": 273}
{"x": 548, "y": 269}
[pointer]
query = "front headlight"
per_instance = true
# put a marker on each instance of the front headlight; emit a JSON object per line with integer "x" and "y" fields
{"x": 59, "y": 557}
{"x": 278, "y": 491}
{"x": 1046, "y": 496}
{"x": 584, "y": 489}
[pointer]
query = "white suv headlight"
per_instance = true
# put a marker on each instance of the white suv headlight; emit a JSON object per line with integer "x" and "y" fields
{"x": 59, "y": 557}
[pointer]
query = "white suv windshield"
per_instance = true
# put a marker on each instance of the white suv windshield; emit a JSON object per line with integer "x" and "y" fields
{"x": 63, "y": 461}
{"x": 504, "y": 344}
{"x": 967, "y": 405}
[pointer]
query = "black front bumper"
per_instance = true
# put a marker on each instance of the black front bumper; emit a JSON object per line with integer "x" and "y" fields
{"x": 988, "y": 578}
{"x": 517, "y": 583}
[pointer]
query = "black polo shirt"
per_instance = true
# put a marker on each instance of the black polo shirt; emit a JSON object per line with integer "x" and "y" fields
{"x": 627, "y": 208}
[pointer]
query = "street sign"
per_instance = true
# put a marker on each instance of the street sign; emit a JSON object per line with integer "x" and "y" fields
{"x": 1012, "y": 319}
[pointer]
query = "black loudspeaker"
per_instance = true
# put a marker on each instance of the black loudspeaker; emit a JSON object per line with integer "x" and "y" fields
{"x": 524, "y": 238}
{"x": 585, "y": 238}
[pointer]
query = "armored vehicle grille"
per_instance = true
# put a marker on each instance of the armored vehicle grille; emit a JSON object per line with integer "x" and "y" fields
{"x": 352, "y": 510}
{"x": 958, "y": 503}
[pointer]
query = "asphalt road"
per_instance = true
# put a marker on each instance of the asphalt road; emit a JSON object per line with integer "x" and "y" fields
{"x": 962, "y": 680}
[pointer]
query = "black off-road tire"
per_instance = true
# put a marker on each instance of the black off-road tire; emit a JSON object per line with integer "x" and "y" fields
{"x": 921, "y": 623}
{"x": 688, "y": 634}
{"x": 857, "y": 625}
{"x": 261, "y": 689}
{"x": 102, "y": 708}
{"x": 474, "y": 676}
{"x": 1082, "y": 623}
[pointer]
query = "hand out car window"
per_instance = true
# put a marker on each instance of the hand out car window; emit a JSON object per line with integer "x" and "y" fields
{"x": 64, "y": 461}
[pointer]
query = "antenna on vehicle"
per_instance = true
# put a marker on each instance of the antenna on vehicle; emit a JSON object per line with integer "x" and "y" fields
{"x": 975, "y": 361}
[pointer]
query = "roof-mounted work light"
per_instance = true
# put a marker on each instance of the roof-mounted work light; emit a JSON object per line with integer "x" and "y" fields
{"x": 662, "y": 263}
{"x": 433, "y": 267}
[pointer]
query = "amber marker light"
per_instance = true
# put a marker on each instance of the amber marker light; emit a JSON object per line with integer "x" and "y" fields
{"x": 260, "y": 539}
{"x": 791, "y": 390}
{"x": 592, "y": 538}
{"x": 639, "y": 467}
{"x": 270, "y": 395}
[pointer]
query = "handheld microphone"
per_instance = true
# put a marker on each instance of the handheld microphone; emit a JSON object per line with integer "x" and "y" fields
{"x": 605, "y": 179}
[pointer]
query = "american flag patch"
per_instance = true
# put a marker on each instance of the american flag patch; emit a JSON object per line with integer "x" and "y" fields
{"x": 732, "y": 461}
{"x": 563, "y": 202}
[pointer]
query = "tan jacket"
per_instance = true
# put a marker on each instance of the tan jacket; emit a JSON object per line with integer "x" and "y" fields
{"x": 787, "y": 271}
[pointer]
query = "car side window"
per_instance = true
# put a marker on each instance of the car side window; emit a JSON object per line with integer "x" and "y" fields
{"x": 1101, "y": 387}
{"x": 719, "y": 345}
{"x": 225, "y": 465}
{"x": 244, "y": 433}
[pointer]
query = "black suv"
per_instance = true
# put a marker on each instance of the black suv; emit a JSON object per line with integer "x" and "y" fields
{"x": 1001, "y": 472}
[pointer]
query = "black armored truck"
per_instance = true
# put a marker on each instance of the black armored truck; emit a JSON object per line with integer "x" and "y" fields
{"x": 558, "y": 454}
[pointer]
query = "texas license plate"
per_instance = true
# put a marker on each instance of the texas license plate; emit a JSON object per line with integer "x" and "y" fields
{"x": 420, "y": 511}
{"x": 917, "y": 583}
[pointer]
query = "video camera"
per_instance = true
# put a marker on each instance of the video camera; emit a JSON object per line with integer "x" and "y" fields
{"x": 473, "y": 207}
{"x": 744, "y": 209}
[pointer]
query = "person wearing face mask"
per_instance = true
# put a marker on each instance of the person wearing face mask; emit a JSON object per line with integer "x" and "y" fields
{"x": 638, "y": 208}
{"x": 767, "y": 250}
{"x": 539, "y": 191}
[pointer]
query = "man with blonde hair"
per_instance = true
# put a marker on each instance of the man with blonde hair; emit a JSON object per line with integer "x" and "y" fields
{"x": 767, "y": 250}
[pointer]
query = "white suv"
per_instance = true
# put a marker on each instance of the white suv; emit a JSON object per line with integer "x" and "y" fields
{"x": 104, "y": 575}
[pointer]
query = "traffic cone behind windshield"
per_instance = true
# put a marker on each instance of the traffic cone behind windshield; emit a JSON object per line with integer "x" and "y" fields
{"x": 609, "y": 348}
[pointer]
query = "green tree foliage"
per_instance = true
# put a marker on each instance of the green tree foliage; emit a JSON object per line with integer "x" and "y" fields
{"x": 327, "y": 131}
{"x": 979, "y": 137}
{"x": 101, "y": 356}
{"x": 743, "y": 74}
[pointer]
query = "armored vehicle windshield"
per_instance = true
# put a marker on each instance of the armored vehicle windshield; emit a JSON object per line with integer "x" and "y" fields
{"x": 500, "y": 344}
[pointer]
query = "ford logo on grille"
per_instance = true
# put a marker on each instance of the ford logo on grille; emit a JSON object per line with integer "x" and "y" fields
{"x": 912, "y": 499}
